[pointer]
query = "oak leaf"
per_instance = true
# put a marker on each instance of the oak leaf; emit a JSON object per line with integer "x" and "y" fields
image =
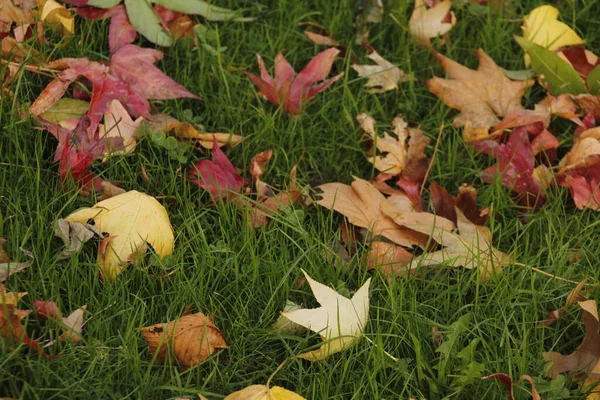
{"x": 542, "y": 27}
{"x": 363, "y": 205}
{"x": 381, "y": 77}
{"x": 292, "y": 91}
{"x": 470, "y": 248}
{"x": 131, "y": 219}
{"x": 192, "y": 338}
{"x": 481, "y": 96}
{"x": 339, "y": 321}
{"x": 430, "y": 20}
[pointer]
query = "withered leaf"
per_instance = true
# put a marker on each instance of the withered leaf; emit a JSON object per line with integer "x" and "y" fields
{"x": 382, "y": 77}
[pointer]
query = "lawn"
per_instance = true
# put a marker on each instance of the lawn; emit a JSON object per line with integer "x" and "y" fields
{"x": 244, "y": 276}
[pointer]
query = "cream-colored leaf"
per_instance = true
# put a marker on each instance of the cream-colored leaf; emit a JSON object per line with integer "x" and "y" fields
{"x": 361, "y": 203}
{"x": 131, "y": 219}
{"x": 119, "y": 124}
{"x": 469, "y": 248}
{"x": 427, "y": 23}
{"x": 340, "y": 321}
{"x": 382, "y": 77}
{"x": 481, "y": 96}
{"x": 542, "y": 27}
{"x": 263, "y": 392}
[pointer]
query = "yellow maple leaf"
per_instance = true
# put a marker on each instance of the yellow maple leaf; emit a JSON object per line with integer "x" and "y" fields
{"x": 340, "y": 321}
{"x": 132, "y": 219}
{"x": 542, "y": 27}
{"x": 263, "y": 392}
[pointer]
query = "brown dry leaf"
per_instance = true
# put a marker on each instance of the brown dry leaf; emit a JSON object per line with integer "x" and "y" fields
{"x": 574, "y": 296}
{"x": 182, "y": 130}
{"x": 585, "y": 151}
{"x": 471, "y": 248}
{"x": 403, "y": 154}
{"x": 11, "y": 330}
{"x": 192, "y": 338}
{"x": 389, "y": 259}
{"x": 362, "y": 204}
{"x": 257, "y": 169}
{"x": 264, "y": 392}
{"x": 382, "y": 77}
{"x": 427, "y": 23}
{"x": 444, "y": 204}
{"x": 585, "y": 360}
{"x": 481, "y": 96}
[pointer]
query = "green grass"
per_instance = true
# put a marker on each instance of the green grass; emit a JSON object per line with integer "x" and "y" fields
{"x": 244, "y": 277}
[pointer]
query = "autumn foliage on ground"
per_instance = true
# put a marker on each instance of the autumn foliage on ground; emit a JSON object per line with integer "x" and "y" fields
{"x": 278, "y": 201}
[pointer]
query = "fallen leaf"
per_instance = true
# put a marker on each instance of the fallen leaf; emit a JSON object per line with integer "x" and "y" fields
{"x": 182, "y": 130}
{"x": 74, "y": 235}
{"x": 507, "y": 382}
{"x": 219, "y": 177}
{"x": 369, "y": 12}
{"x": 264, "y": 392}
{"x": 292, "y": 91}
{"x": 444, "y": 204}
{"x": 362, "y": 204}
{"x": 73, "y": 324}
{"x": 47, "y": 310}
{"x": 428, "y": 22}
{"x": 576, "y": 295}
{"x": 339, "y": 321}
{"x": 8, "y": 267}
{"x": 321, "y": 39}
{"x": 11, "y": 330}
{"x": 381, "y": 77}
{"x": 470, "y": 248}
{"x": 192, "y": 339}
{"x": 542, "y": 27}
{"x": 403, "y": 154}
{"x": 389, "y": 259}
{"x": 584, "y": 361}
{"x": 284, "y": 325}
{"x": 56, "y": 13}
{"x": 257, "y": 169}
{"x": 66, "y": 109}
{"x": 481, "y": 96}
{"x": 119, "y": 124}
{"x": 132, "y": 219}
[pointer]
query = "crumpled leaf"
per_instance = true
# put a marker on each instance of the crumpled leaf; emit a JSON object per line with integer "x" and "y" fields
{"x": 542, "y": 27}
{"x": 363, "y": 205}
{"x": 403, "y": 154}
{"x": 580, "y": 170}
{"x": 481, "y": 96}
{"x": 471, "y": 248}
{"x": 219, "y": 176}
{"x": 369, "y": 12}
{"x": 264, "y": 392}
{"x": 56, "y": 13}
{"x": 508, "y": 383}
{"x": 292, "y": 91}
{"x": 74, "y": 235}
{"x": 131, "y": 219}
{"x": 192, "y": 338}
{"x": 382, "y": 77}
{"x": 339, "y": 321}
{"x": 584, "y": 361}
{"x": 182, "y": 130}
{"x": 8, "y": 267}
{"x": 429, "y": 21}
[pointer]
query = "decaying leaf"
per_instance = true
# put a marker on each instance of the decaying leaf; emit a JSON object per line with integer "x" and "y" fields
{"x": 584, "y": 361}
{"x": 8, "y": 267}
{"x": 339, "y": 321}
{"x": 264, "y": 392}
{"x": 363, "y": 205}
{"x": 12, "y": 332}
{"x": 369, "y": 12}
{"x": 481, "y": 96}
{"x": 576, "y": 295}
{"x": 74, "y": 235}
{"x": 444, "y": 204}
{"x": 508, "y": 383}
{"x": 470, "y": 248}
{"x": 292, "y": 91}
{"x": 131, "y": 219}
{"x": 382, "y": 77}
{"x": 192, "y": 339}
{"x": 429, "y": 21}
{"x": 542, "y": 27}
{"x": 403, "y": 154}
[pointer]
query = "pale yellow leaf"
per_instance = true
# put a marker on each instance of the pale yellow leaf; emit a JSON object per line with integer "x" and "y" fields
{"x": 56, "y": 13}
{"x": 427, "y": 23}
{"x": 382, "y": 77}
{"x": 263, "y": 392}
{"x": 132, "y": 219}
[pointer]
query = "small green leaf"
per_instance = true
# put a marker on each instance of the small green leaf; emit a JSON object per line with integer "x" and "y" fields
{"x": 593, "y": 81}
{"x": 199, "y": 7}
{"x": 560, "y": 76}
{"x": 65, "y": 108}
{"x": 145, "y": 21}
{"x": 103, "y": 3}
